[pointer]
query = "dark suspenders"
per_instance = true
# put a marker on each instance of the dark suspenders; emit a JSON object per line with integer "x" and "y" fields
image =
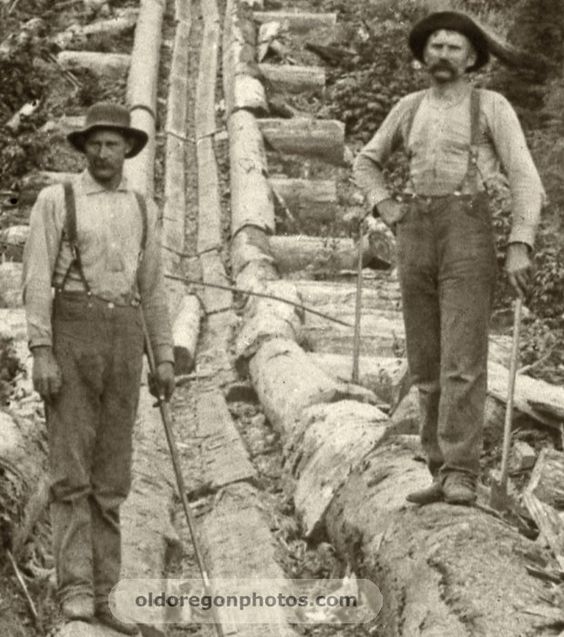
{"x": 71, "y": 232}
{"x": 472, "y": 171}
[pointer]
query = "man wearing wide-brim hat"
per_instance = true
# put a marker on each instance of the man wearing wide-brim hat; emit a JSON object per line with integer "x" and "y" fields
{"x": 458, "y": 139}
{"x": 94, "y": 242}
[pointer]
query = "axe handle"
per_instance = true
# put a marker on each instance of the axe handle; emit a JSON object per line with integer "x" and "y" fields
{"x": 510, "y": 395}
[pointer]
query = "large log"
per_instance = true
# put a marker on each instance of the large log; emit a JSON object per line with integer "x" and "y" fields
{"x": 294, "y": 78}
{"x": 251, "y": 198}
{"x": 297, "y": 21}
{"x": 380, "y": 375}
{"x": 185, "y": 332}
{"x": 113, "y": 65}
{"x": 294, "y": 253}
{"x": 304, "y": 192}
{"x": 118, "y": 25}
{"x": 242, "y": 86}
{"x": 318, "y": 138}
{"x": 142, "y": 91}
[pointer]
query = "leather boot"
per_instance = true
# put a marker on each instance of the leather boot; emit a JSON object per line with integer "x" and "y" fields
{"x": 78, "y": 608}
{"x": 460, "y": 488}
{"x": 105, "y": 616}
{"x": 431, "y": 494}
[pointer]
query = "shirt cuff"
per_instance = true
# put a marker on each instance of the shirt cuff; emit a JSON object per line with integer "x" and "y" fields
{"x": 523, "y": 234}
{"x": 164, "y": 354}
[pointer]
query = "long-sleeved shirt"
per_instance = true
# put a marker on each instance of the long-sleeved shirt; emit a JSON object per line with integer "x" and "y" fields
{"x": 438, "y": 147}
{"x": 109, "y": 228}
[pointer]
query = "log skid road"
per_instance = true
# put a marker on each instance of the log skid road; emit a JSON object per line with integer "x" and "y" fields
{"x": 271, "y": 430}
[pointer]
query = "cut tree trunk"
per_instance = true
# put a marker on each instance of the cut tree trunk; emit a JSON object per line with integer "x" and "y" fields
{"x": 142, "y": 91}
{"x": 119, "y": 25}
{"x": 304, "y": 192}
{"x": 380, "y": 375}
{"x": 185, "y": 332}
{"x": 251, "y": 198}
{"x": 297, "y": 21}
{"x": 294, "y": 253}
{"x": 105, "y": 65}
{"x": 242, "y": 86}
{"x": 294, "y": 79}
{"x": 322, "y": 138}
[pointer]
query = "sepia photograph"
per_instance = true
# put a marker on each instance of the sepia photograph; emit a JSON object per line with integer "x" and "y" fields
{"x": 282, "y": 318}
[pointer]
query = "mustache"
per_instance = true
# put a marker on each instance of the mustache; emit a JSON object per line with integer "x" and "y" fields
{"x": 442, "y": 65}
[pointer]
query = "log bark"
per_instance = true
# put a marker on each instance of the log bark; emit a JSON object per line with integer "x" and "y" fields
{"x": 297, "y": 21}
{"x": 142, "y": 91}
{"x": 321, "y": 139}
{"x": 294, "y": 253}
{"x": 380, "y": 375}
{"x": 294, "y": 79}
{"x": 119, "y": 25}
{"x": 185, "y": 333}
{"x": 304, "y": 192}
{"x": 266, "y": 319}
{"x": 105, "y": 65}
{"x": 251, "y": 198}
{"x": 242, "y": 86}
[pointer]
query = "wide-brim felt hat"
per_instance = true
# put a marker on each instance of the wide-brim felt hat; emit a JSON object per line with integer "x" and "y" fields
{"x": 450, "y": 21}
{"x": 114, "y": 117}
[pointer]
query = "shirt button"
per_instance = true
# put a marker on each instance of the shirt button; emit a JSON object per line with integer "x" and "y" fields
{"x": 111, "y": 305}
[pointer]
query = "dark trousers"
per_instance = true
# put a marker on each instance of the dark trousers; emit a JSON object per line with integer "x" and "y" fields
{"x": 447, "y": 267}
{"x": 99, "y": 348}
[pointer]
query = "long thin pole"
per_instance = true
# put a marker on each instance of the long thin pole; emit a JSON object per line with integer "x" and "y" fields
{"x": 510, "y": 395}
{"x": 357, "y": 315}
{"x": 167, "y": 422}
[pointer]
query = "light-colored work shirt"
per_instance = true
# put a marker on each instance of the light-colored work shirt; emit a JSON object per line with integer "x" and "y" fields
{"x": 438, "y": 148}
{"x": 109, "y": 229}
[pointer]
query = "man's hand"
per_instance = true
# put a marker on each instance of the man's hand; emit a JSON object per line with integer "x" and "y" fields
{"x": 46, "y": 375}
{"x": 390, "y": 212}
{"x": 518, "y": 266}
{"x": 163, "y": 383}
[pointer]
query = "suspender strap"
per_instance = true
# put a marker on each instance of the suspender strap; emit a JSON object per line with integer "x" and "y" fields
{"x": 72, "y": 238}
{"x": 472, "y": 171}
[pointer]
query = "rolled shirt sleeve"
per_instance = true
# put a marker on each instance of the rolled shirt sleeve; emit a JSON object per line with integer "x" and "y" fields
{"x": 153, "y": 292}
{"x": 527, "y": 193}
{"x": 39, "y": 257}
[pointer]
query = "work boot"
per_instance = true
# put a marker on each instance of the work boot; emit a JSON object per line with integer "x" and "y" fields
{"x": 105, "y": 616}
{"x": 431, "y": 494}
{"x": 78, "y": 608}
{"x": 460, "y": 488}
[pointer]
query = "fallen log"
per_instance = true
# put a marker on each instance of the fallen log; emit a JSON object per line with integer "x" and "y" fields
{"x": 251, "y": 197}
{"x": 106, "y": 65}
{"x": 317, "y": 138}
{"x": 142, "y": 91}
{"x": 118, "y": 25}
{"x": 297, "y": 21}
{"x": 242, "y": 86}
{"x": 251, "y": 257}
{"x": 304, "y": 192}
{"x": 294, "y": 79}
{"x": 547, "y": 479}
{"x": 549, "y": 523}
{"x": 185, "y": 332}
{"x": 266, "y": 319}
{"x": 294, "y": 253}
{"x": 380, "y": 375}
{"x": 31, "y": 184}
{"x": 14, "y": 123}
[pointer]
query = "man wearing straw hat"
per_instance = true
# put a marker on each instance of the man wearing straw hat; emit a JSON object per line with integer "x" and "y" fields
{"x": 457, "y": 139}
{"x": 95, "y": 243}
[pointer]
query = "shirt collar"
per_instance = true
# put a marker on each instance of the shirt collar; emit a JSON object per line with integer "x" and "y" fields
{"x": 90, "y": 186}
